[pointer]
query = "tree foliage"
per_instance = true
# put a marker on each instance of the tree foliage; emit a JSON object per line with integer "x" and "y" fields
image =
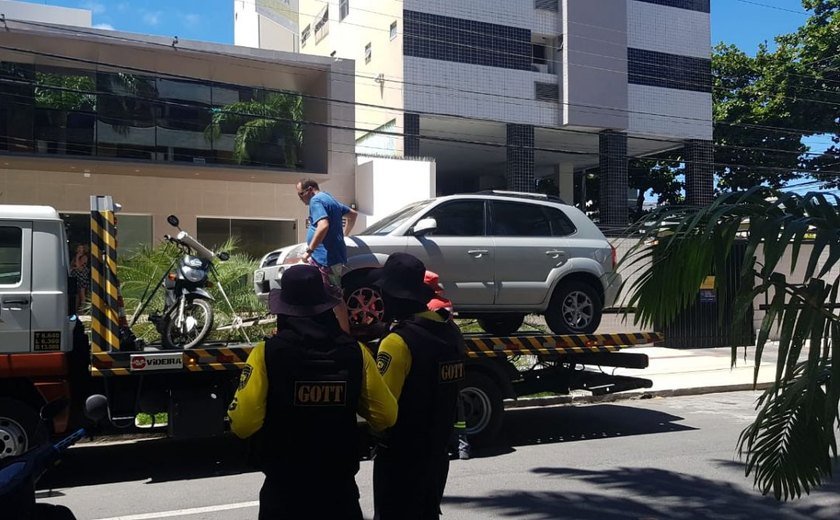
{"x": 764, "y": 105}
{"x": 791, "y": 446}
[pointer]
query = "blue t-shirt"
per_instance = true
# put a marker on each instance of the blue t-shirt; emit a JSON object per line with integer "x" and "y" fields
{"x": 331, "y": 251}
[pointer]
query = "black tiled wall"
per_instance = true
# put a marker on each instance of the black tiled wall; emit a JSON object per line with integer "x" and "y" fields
{"x": 411, "y": 129}
{"x": 613, "y": 180}
{"x": 660, "y": 69}
{"x": 519, "y": 170}
{"x": 466, "y": 41}
{"x": 699, "y": 172}
{"x": 692, "y": 5}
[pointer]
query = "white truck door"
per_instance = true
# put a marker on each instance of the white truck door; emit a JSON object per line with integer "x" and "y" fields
{"x": 15, "y": 286}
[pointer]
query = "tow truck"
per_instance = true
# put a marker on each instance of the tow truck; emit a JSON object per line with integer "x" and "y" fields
{"x": 47, "y": 353}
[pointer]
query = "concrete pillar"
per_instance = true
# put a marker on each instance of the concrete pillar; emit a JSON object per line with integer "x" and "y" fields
{"x": 519, "y": 169}
{"x": 613, "y": 183}
{"x": 411, "y": 129}
{"x": 565, "y": 175}
{"x": 699, "y": 172}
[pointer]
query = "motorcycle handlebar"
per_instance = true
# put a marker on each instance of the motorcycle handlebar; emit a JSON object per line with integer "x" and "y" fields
{"x": 197, "y": 246}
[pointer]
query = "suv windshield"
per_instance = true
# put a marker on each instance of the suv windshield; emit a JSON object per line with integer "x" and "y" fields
{"x": 395, "y": 220}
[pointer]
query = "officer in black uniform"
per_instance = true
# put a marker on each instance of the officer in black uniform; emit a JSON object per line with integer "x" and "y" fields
{"x": 301, "y": 390}
{"x": 422, "y": 362}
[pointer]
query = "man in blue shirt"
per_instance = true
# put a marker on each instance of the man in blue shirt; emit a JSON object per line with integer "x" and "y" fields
{"x": 325, "y": 247}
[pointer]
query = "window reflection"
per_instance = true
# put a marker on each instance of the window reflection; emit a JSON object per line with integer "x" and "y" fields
{"x": 116, "y": 114}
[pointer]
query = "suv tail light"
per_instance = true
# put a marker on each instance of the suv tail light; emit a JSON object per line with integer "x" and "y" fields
{"x": 614, "y": 256}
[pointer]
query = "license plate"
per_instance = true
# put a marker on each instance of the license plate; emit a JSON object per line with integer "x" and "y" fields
{"x": 259, "y": 276}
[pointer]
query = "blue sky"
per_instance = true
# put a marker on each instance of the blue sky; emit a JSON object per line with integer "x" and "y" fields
{"x": 743, "y": 22}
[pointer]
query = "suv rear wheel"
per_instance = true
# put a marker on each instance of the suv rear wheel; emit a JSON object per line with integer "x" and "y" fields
{"x": 575, "y": 308}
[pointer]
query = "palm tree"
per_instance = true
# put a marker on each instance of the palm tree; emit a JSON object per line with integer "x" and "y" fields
{"x": 262, "y": 128}
{"x": 791, "y": 446}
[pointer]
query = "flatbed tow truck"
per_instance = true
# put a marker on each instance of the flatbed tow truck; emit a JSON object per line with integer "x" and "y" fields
{"x": 46, "y": 353}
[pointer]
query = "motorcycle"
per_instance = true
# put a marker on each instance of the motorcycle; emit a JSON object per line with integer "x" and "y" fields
{"x": 19, "y": 475}
{"x": 187, "y": 317}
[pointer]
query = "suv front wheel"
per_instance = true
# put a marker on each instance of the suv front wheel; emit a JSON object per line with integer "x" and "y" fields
{"x": 575, "y": 308}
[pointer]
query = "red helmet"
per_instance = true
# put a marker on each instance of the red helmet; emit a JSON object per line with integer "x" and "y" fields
{"x": 438, "y": 301}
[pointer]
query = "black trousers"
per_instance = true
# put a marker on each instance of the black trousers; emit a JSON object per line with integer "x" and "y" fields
{"x": 408, "y": 485}
{"x": 287, "y": 497}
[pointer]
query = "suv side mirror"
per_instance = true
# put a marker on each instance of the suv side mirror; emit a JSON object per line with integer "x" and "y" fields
{"x": 424, "y": 226}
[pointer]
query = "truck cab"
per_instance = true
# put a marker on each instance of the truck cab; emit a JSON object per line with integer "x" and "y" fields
{"x": 35, "y": 304}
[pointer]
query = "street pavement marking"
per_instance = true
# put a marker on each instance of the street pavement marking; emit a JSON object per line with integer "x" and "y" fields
{"x": 185, "y": 512}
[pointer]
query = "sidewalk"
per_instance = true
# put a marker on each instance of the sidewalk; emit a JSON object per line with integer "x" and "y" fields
{"x": 680, "y": 372}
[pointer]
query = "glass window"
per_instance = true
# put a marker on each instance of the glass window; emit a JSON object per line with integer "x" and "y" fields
{"x": 393, "y": 30}
{"x": 258, "y": 128}
{"x": 343, "y": 9}
{"x": 16, "y": 107}
{"x": 395, "y": 220}
{"x": 116, "y": 114}
{"x": 304, "y": 35}
{"x": 11, "y": 251}
{"x": 132, "y": 231}
{"x": 463, "y": 218}
{"x": 253, "y": 237}
{"x": 560, "y": 224}
{"x": 515, "y": 219}
{"x": 367, "y": 53}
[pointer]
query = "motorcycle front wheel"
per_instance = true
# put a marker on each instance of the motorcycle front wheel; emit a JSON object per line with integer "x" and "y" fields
{"x": 189, "y": 330}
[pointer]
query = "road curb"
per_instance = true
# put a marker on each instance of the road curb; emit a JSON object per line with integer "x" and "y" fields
{"x": 631, "y": 395}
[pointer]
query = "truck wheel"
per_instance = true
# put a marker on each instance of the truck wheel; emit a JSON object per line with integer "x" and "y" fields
{"x": 502, "y": 324}
{"x": 20, "y": 428}
{"x": 575, "y": 308}
{"x": 483, "y": 408}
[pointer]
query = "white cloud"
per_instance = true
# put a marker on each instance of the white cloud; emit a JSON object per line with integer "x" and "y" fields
{"x": 106, "y": 26}
{"x": 192, "y": 19}
{"x": 152, "y": 18}
{"x": 94, "y": 7}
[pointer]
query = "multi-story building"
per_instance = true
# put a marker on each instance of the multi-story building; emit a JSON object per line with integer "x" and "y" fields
{"x": 216, "y": 134}
{"x": 501, "y": 92}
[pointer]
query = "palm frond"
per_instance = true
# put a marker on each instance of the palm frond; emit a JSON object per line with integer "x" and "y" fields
{"x": 791, "y": 445}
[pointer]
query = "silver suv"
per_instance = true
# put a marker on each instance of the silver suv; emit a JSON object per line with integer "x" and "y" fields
{"x": 500, "y": 256}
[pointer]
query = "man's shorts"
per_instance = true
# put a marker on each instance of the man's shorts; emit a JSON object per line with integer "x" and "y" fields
{"x": 332, "y": 278}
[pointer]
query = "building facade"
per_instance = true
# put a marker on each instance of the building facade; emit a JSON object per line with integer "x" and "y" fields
{"x": 218, "y": 135}
{"x": 503, "y": 92}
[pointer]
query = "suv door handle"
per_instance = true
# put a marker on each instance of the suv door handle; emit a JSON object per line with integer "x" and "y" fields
{"x": 23, "y": 302}
{"x": 555, "y": 253}
{"x": 477, "y": 253}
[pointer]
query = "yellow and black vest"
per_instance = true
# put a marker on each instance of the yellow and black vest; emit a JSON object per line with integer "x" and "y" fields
{"x": 310, "y": 429}
{"x": 428, "y": 402}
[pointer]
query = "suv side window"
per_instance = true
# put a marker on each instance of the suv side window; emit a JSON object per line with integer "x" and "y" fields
{"x": 561, "y": 225}
{"x": 11, "y": 251}
{"x": 529, "y": 220}
{"x": 460, "y": 218}
{"x": 515, "y": 219}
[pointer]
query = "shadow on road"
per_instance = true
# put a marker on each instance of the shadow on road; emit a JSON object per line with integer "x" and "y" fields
{"x": 560, "y": 424}
{"x": 157, "y": 460}
{"x": 646, "y": 493}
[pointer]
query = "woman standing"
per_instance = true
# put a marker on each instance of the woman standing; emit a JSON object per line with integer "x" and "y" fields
{"x": 80, "y": 270}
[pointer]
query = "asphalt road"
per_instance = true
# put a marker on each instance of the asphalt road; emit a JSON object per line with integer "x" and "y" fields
{"x": 671, "y": 458}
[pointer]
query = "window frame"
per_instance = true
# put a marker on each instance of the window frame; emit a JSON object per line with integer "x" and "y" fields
{"x": 20, "y": 250}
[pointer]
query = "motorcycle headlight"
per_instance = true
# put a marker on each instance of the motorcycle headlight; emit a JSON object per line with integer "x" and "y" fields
{"x": 193, "y": 275}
